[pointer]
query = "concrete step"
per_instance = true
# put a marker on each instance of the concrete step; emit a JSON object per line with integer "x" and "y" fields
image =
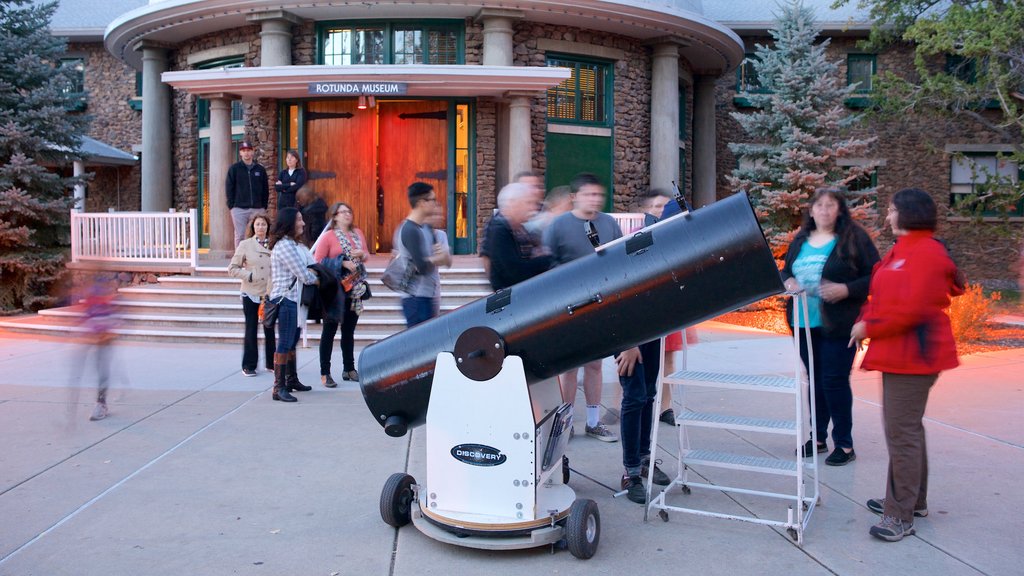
{"x": 370, "y": 310}
{"x": 390, "y": 324}
{"x": 448, "y": 284}
{"x": 157, "y": 292}
{"x": 55, "y": 326}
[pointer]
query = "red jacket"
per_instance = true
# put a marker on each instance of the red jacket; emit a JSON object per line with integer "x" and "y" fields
{"x": 905, "y": 314}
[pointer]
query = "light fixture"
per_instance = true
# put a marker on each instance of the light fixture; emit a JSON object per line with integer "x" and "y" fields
{"x": 362, "y": 103}
{"x": 373, "y": 102}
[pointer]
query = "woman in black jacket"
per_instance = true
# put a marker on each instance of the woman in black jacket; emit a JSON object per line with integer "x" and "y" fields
{"x": 830, "y": 259}
{"x": 290, "y": 180}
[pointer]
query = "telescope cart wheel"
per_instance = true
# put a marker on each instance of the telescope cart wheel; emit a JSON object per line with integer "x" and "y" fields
{"x": 583, "y": 528}
{"x": 396, "y": 500}
{"x": 565, "y": 469}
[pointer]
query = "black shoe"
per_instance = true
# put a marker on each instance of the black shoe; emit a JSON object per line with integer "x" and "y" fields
{"x": 282, "y": 395}
{"x": 668, "y": 417}
{"x": 634, "y": 487}
{"x": 877, "y": 505}
{"x": 809, "y": 448}
{"x": 350, "y": 375}
{"x": 660, "y": 478}
{"x": 840, "y": 457}
{"x": 327, "y": 381}
{"x": 248, "y": 372}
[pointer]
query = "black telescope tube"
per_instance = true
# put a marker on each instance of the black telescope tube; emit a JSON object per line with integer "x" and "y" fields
{"x": 679, "y": 272}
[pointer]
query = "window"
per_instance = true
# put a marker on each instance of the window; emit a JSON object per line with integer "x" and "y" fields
{"x": 203, "y": 105}
{"x": 583, "y": 97}
{"x": 864, "y": 182}
{"x": 746, "y": 76}
{"x": 74, "y": 89}
{"x": 439, "y": 42}
{"x": 860, "y": 68}
{"x": 973, "y": 177}
{"x": 963, "y": 69}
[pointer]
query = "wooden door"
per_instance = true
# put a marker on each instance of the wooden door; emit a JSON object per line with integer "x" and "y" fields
{"x": 341, "y": 161}
{"x": 413, "y": 146}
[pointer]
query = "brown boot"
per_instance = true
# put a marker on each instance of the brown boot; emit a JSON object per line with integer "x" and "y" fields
{"x": 280, "y": 388}
{"x": 292, "y": 376}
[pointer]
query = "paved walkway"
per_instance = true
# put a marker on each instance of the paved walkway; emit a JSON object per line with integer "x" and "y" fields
{"x": 197, "y": 472}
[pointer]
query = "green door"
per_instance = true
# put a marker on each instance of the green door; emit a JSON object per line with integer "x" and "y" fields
{"x": 570, "y": 154}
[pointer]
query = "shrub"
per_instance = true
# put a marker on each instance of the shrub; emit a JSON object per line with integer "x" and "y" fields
{"x": 970, "y": 312}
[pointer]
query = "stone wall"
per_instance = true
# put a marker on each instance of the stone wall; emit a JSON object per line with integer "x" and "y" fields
{"x": 110, "y": 84}
{"x": 912, "y": 148}
{"x": 632, "y": 103}
{"x": 486, "y": 163}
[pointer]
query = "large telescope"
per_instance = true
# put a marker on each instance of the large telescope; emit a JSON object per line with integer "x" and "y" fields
{"x": 681, "y": 271}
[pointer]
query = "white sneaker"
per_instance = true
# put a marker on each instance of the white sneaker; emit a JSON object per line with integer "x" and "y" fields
{"x": 99, "y": 412}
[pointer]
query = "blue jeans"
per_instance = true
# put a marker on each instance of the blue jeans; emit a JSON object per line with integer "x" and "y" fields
{"x": 417, "y": 309}
{"x": 287, "y": 325}
{"x": 638, "y": 392}
{"x": 833, "y": 398}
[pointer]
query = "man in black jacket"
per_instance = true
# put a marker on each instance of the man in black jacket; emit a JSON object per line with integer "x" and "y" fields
{"x": 515, "y": 254}
{"x": 247, "y": 189}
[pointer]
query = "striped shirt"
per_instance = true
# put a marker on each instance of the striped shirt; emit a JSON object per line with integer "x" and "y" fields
{"x": 288, "y": 263}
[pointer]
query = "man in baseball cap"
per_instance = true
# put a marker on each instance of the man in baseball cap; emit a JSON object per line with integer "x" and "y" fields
{"x": 247, "y": 189}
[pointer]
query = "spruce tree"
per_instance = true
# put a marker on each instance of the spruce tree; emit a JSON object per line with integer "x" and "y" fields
{"x": 36, "y": 132}
{"x": 799, "y": 129}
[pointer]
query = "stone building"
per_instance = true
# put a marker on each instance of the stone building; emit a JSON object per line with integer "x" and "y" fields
{"x": 375, "y": 96}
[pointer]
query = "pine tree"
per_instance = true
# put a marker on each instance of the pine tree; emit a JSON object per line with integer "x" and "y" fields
{"x": 800, "y": 129}
{"x": 35, "y": 131}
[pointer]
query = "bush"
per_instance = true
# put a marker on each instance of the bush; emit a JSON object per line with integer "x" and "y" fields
{"x": 970, "y": 312}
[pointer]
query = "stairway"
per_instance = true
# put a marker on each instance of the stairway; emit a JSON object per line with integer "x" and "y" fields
{"x": 205, "y": 307}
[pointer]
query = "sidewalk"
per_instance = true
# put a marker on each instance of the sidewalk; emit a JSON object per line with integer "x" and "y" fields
{"x": 198, "y": 472}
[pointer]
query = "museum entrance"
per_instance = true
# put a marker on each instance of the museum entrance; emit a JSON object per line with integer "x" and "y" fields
{"x": 368, "y": 156}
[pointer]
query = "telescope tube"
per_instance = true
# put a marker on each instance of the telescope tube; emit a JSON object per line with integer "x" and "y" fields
{"x": 676, "y": 273}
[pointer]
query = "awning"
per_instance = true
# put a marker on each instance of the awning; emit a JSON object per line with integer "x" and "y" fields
{"x": 288, "y": 82}
{"x": 96, "y": 153}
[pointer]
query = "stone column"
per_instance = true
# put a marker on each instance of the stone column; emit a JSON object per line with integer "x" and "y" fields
{"x": 222, "y": 242}
{"x": 498, "y": 48}
{"x": 704, "y": 141}
{"x": 275, "y": 36}
{"x": 520, "y": 138}
{"x": 157, "y": 193}
{"x": 665, "y": 115}
{"x": 78, "y": 169}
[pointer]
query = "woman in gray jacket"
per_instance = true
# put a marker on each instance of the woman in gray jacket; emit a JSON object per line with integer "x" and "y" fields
{"x": 251, "y": 264}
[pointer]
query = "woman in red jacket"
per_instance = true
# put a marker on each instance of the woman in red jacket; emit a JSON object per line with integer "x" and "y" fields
{"x": 911, "y": 342}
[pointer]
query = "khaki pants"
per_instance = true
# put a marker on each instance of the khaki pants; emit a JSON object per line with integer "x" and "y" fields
{"x": 904, "y": 397}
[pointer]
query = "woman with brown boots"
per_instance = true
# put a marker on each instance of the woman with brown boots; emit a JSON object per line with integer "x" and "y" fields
{"x": 289, "y": 263}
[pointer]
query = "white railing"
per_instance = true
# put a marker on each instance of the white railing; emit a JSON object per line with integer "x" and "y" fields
{"x": 628, "y": 221}
{"x": 138, "y": 237}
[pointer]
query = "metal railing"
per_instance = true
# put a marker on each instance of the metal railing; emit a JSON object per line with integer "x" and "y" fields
{"x": 137, "y": 237}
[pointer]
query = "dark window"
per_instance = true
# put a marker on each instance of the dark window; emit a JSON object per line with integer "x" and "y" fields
{"x": 864, "y": 182}
{"x": 75, "y": 86}
{"x": 203, "y": 105}
{"x": 583, "y": 97}
{"x": 860, "y": 69}
{"x": 746, "y": 76}
{"x": 963, "y": 69}
{"x": 392, "y": 43}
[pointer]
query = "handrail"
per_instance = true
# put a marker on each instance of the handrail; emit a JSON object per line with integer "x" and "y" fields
{"x": 628, "y": 222}
{"x": 136, "y": 237}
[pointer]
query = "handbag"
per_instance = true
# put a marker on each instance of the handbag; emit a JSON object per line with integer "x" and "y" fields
{"x": 268, "y": 311}
{"x": 398, "y": 274}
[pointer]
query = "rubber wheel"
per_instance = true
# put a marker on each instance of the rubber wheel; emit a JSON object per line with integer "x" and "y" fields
{"x": 583, "y": 529}
{"x": 396, "y": 500}
{"x": 565, "y": 469}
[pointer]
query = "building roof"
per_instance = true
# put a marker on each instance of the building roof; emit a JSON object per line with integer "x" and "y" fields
{"x": 87, "y": 19}
{"x": 755, "y": 15}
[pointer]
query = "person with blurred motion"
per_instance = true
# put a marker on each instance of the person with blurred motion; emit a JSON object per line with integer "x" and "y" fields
{"x": 314, "y": 214}
{"x": 439, "y": 238}
{"x": 907, "y": 322}
{"x": 99, "y": 322}
{"x": 342, "y": 239}
{"x": 535, "y": 185}
{"x": 830, "y": 260}
{"x": 410, "y": 241}
{"x": 251, "y": 264}
{"x": 246, "y": 189}
{"x": 516, "y": 255}
{"x": 290, "y": 180}
{"x": 567, "y": 239}
{"x": 289, "y": 262}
